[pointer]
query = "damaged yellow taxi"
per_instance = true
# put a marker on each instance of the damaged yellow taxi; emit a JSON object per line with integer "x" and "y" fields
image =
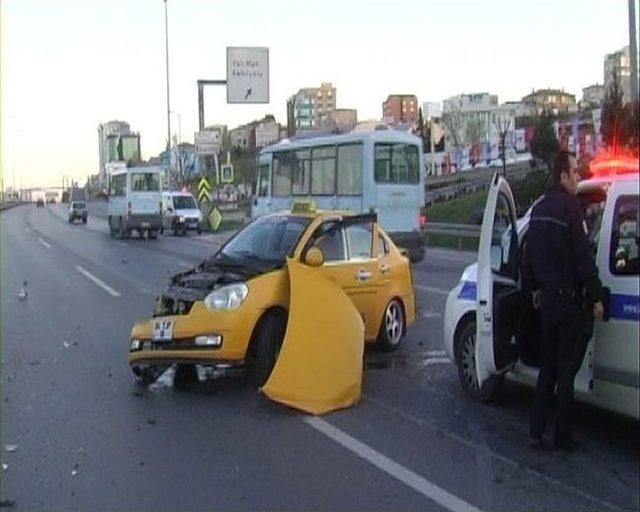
{"x": 293, "y": 296}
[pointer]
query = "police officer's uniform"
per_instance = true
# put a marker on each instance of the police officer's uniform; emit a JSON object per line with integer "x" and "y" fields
{"x": 559, "y": 263}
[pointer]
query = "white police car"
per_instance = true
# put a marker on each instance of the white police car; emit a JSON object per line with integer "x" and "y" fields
{"x": 490, "y": 331}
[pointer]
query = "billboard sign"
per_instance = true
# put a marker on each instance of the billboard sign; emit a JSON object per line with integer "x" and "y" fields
{"x": 207, "y": 142}
{"x": 247, "y": 75}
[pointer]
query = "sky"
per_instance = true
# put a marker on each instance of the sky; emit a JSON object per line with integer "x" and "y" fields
{"x": 69, "y": 65}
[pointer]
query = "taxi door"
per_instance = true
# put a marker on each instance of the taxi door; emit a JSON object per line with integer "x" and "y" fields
{"x": 498, "y": 300}
{"x": 347, "y": 247}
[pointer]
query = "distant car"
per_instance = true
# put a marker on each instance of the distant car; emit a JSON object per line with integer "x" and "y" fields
{"x": 40, "y": 203}
{"x": 78, "y": 210}
{"x": 232, "y": 309}
{"x": 181, "y": 213}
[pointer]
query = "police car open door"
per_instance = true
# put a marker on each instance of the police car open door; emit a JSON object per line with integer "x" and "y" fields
{"x": 498, "y": 299}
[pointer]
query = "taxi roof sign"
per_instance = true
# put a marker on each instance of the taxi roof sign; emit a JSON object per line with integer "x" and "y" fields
{"x": 304, "y": 206}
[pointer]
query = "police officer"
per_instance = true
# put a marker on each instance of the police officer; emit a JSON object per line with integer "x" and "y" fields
{"x": 559, "y": 266}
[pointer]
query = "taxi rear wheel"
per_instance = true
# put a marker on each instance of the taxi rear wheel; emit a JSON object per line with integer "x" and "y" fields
{"x": 392, "y": 327}
{"x": 269, "y": 338}
{"x": 466, "y": 361}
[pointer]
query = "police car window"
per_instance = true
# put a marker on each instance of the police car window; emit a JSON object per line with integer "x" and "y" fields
{"x": 623, "y": 256}
{"x": 593, "y": 203}
{"x": 501, "y": 240}
{"x": 360, "y": 239}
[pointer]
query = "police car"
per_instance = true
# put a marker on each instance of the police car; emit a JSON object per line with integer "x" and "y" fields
{"x": 491, "y": 332}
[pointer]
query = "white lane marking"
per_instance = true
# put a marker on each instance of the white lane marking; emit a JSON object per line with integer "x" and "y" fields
{"x": 433, "y": 353}
{"x": 389, "y": 466}
{"x": 122, "y": 244}
{"x": 28, "y": 230}
{"x": 99, "y": 282}
{"x": 45, "y": 243}
{"x": 431, "y": 289}
{"x": 184, "y": 264}
{"x": 436, "y": 360}
{"x": 431, "y": 314}
{"x": 494, "y": 455}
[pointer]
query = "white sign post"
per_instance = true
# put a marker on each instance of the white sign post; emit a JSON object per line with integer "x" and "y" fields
{"x": 247, "y": 75}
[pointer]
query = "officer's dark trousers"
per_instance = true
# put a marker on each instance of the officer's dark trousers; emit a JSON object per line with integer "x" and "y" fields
{"x": 561, "y": 345}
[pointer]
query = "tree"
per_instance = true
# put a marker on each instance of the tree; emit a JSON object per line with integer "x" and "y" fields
{"x": 419, "y": 131}
{"x": 612, "y": 115}
{"x": 545, "y": 144}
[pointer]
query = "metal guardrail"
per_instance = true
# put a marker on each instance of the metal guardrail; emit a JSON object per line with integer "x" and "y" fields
{"x": 461, "y": 231}
{"x": 9, "y": 204}
{"x": 466, "y": 184}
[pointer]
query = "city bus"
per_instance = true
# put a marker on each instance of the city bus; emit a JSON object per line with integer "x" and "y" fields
{"x": 378, "y": 171}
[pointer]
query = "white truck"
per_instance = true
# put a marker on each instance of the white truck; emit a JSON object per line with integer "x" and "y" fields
{"x": 135, "y": 201}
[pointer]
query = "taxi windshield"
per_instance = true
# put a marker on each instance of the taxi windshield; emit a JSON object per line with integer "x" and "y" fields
{"x": 269, "y": 239}
{"x": 184, "y": 202}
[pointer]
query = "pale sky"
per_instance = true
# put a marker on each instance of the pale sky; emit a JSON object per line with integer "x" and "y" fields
{"x": 69, "y": 65}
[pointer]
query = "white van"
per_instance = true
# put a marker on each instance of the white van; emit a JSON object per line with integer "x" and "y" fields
{"x": 135, "y": 201}
{"x": 181, "y": 213}
{"x": 488, "y": 331}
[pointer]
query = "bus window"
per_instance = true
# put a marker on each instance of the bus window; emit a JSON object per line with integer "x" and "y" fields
{"x": 323, "y": 170}
{"x": 301, "y": 176}
{"x": 118, "y": 185}
{"x": 350, "y": 169}
{"x": 281, "y": 174}
{"x": 396, "y": 163}
{"x": 145, "y": 182}
{"x": 263, "y": 180}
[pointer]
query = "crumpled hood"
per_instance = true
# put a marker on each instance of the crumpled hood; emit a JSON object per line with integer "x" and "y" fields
{"x": 190, "y": 213}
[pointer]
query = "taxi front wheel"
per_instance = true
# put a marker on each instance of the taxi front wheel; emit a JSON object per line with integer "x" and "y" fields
{"x": 269, "y": 338}
{"x": 392, "y": 327}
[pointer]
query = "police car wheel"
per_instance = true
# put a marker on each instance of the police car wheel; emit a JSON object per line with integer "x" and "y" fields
{"x": 466, "y": 361}
{"x": 269, "y": 338}
{"x": 392, "y": 327}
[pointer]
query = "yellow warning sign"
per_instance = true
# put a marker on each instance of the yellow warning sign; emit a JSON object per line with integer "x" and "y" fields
{"x": 215, "y": 218}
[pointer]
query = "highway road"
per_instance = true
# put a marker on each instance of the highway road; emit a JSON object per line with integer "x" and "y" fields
{"x": 80, "y": 433}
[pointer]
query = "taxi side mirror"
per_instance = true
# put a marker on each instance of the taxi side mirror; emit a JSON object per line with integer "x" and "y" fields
{"x": 314, "y": 257}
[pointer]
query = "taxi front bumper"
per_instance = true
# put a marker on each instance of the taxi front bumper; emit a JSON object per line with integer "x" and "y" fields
{"x": 233, "y": 327}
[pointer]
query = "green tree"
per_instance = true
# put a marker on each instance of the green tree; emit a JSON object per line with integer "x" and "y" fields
{"x": 545, "y": 144}
{"x": 613, "y": 114}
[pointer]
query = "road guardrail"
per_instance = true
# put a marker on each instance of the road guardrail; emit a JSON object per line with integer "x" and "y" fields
{"x": 459, "y": 231}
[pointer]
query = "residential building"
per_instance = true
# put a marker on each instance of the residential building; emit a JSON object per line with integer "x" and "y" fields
{"x": 520, "y": 109}
{"x": 310, "y": 106}
{"x": 267, "y": 132}
{"x": 592, "y": 96}
{"x": 340, "y": 120}
{"x": 619, "y": 63}
{"x": 476, "y": 119}
{"x": 400, "y": 108}
{"x": 243, "y": 137}
{"x": 550, "y": 100}
{"x": 116, "y": 143}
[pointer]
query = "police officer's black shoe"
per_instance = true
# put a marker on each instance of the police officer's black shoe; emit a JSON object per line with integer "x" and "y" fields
{"x": 567, "y": 444}
{"x": 536, "y": 443}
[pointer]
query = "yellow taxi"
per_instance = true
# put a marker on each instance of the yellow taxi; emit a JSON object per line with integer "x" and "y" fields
{"x": 233, "y": 309}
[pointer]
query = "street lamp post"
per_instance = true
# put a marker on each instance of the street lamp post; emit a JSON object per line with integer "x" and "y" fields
{"x": 166, "y": 34}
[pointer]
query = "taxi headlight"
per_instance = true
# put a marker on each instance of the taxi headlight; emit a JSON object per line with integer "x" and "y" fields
{"x": 182, "y": 218}
{"x": 227, "y": 297}
{"x": 135, "y": 344}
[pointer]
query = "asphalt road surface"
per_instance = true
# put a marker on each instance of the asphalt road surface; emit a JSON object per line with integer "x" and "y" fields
{"x": 80, "y": 433}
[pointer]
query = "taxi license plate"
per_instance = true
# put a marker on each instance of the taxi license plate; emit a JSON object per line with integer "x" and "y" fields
{"x": 162, "y": 330}
{"x": 146, "y": 224}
